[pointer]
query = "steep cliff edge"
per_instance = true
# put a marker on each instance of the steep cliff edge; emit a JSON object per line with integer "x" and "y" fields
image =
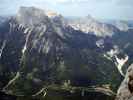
{"x": 125, "y": 91}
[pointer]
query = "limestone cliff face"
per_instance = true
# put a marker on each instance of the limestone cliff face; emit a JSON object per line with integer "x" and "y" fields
{"x": 125, "y": 92}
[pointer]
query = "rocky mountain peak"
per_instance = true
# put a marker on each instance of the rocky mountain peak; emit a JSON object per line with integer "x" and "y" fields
{"x": 122, "y": 25}
{"x": 91, "y": 25}
{"x": 31, "y": 16}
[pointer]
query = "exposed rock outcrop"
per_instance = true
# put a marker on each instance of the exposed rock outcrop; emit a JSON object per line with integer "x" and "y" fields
{"x": 90, "y": 25}
{"x": 125, "y": 92}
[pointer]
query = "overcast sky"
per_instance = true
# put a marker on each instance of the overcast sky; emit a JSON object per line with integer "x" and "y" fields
{"x": 105, "y": 9}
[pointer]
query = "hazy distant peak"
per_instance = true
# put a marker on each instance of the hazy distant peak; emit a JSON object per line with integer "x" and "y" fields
{"x": 89, "y": 24}
{"x": 89, "y": 17}
{"x": 122, "y": 25}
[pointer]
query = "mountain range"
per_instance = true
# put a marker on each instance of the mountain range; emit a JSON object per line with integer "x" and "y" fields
{"x": 45, "y": 55}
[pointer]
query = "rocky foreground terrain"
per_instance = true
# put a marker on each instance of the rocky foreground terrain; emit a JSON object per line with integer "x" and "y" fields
{"x": 126, "y": 89}
{"x": 49, "y": 57}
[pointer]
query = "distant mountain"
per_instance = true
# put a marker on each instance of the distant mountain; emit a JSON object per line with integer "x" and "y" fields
{"x": 45, "y": 56}
{"x": 2, "y": 19}
{"x": 120, "y": 24}
{"x": 130, "y": 23}
{"x": 123, "y": 26}
{"x": 90, "y": 25}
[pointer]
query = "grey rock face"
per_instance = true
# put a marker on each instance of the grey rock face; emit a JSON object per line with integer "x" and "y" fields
{"x": 125, "y": 92}
{"x": 90, "y": 25}
{"x": 30, "y": 16}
